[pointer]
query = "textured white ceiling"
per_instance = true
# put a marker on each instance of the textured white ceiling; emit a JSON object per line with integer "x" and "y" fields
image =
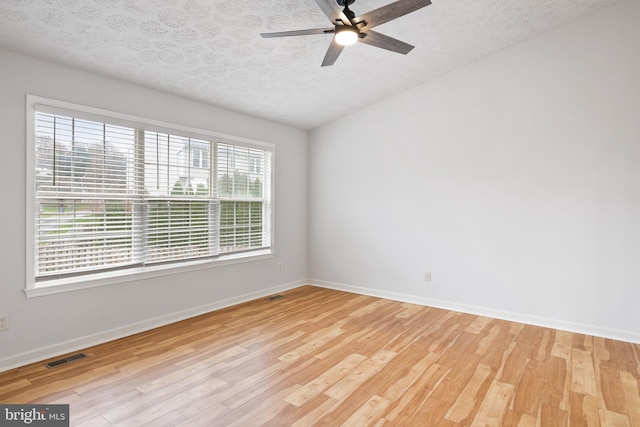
{"x": 211, "y": 50}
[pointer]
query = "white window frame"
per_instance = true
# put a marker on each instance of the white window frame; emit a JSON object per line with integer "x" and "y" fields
{"x": 72, "y": 282}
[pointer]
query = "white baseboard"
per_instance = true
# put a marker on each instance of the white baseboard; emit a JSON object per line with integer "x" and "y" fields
{"x": 487, "y": 312}
{"x": 113, "y": 334}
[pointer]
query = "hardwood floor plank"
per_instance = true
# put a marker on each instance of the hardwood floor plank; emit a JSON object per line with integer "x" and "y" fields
{"x": 325, "y": 380}
{"x": 612, "y": 390}
{"x": 527, "y": 420}
{"x": 312, "y": 346}
{"x": 411, "y": 329}
{"x": 319, "y": 357}
{"x": 417, "y": 394}
{"x": 555, "y": 391}
{"x": 613, "y": 419}
{"x": 601, "y": 352}
{"x": 175, "y": 377}
{"x": 478, "y": 324}
{"x": 359, "y": 375}
{"x": 367, "y": 414}
{"x": 30, "y": 394}
{"x": 86, "y": 409}
{"x": 553, "y": 417}
{"x": 261, "y": 414}
{"x": 11, "y": 387}
{"x": 469, "y": 395}
{"x": 98, "y": 421}
{"x": 204, "y": 417}
{"x": 315, "y": 415}
{"x": 544, "y": 350}
{"x": 401, "y": 385}
{"x": 259, "y": 385}
{"x": 494, "y": 405}
{"x": 562, "y": 344}
{"x": 459, "y": 375}
{"x": 159, "y": 402}
{"x": 625, "y": 356}
{"x": 591, "y": 411}
{"x": 632, "y": 397}
{"x": 511, "y": 370}
{"x": 583, "y": 376}
{"x": 530, "y": 387}
{"x": 212, "y": 357}
{"x": 431, "y": 414}
{"x": 170, "y": 419}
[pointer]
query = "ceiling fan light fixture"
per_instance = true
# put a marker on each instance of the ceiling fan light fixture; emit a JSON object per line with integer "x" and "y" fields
{"x": 346, "y": 35}
{"x": 347, "y": 28}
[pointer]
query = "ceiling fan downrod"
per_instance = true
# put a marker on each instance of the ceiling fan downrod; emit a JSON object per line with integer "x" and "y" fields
{"x": 348, "y": 12}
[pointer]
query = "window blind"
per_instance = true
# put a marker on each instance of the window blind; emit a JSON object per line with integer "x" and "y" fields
{"x": 182, "y": 210}
{"x": 244, "y": 186}
{"x": 87, "y": 196}
{"x": 111, "y": 196}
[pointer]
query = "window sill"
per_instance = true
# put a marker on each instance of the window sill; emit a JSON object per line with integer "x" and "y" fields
{"x": 103, "y": 279}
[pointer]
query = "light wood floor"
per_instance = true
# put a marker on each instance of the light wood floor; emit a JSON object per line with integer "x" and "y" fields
{"x": 317, "y": 356}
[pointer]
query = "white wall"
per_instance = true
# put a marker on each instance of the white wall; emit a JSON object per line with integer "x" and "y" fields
{"x": 515, "y": 181}
{"x": 48, "y": 325}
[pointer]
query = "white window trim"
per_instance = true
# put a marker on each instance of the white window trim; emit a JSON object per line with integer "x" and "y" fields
{"x": 67, "y": 284}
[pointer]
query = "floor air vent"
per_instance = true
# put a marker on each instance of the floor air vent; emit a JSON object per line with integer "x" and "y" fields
{"x": 274, "y": 297}
{"x": 65, "y": 360}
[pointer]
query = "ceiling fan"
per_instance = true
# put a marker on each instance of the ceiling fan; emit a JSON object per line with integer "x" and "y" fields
{"x": 349, "y": 28}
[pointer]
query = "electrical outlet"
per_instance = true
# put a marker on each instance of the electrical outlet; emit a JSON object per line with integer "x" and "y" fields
{"x": 4, "y": 322}
{"x": 427, "y": 276}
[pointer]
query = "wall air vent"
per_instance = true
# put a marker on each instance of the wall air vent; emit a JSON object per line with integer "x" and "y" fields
{"x": 65, "y": 360}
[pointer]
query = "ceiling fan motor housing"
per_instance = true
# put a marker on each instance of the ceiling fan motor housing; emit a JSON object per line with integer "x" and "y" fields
{"x": 342, "y": 3}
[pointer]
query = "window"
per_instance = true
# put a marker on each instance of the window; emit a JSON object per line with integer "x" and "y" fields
{"x": 239, "y": 188}
{"x": 114, "y": 195}
{"x": 200, "y": 157}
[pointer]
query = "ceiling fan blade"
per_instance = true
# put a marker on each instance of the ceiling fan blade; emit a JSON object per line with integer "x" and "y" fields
{"x": 391, "y": 11}
{"x": 299, "y": 32}
{"x": 332, "y": 53}
{"x": 333, "y": 11}
{"x": 373, "y": 38}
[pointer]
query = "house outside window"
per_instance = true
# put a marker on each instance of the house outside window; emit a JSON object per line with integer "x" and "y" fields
{"x": 115, "y": 195}
{"x": 199, "y": 157}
